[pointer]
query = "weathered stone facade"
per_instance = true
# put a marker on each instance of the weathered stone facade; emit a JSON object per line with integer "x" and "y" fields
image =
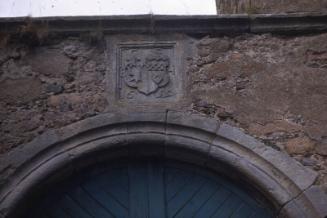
{"x": 271, "y": 86}
{"x": 48, "y": 87}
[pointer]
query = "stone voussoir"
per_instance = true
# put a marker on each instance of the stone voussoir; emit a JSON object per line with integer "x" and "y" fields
{"x": 192, "y": 121}
{"x": 303, "y": 177}
{"x": 311, "y": 202}
{"x": 175, "y": 145}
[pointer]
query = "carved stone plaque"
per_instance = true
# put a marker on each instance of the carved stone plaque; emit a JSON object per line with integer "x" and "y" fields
{"x": 146, "y": 72}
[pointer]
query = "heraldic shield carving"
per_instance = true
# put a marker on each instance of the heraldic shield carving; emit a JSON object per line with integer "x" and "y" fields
{"x": 147, "y": 75}
{"x": 146, "y": 72}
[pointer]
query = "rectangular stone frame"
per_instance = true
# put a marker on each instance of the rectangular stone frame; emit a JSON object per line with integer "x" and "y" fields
{"x": 181, "y": 52}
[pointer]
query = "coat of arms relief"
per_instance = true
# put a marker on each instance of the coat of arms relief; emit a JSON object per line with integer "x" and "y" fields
{"x": 146, "y": 72}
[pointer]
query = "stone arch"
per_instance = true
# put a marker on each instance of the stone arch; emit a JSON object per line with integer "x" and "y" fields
{"x": 175, "y": 135}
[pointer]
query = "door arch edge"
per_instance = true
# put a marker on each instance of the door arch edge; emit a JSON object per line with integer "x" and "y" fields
{"x": 191, "y": 137}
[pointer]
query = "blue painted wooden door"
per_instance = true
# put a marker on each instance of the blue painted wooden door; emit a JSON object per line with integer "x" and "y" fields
{"x": 148, "y": 190}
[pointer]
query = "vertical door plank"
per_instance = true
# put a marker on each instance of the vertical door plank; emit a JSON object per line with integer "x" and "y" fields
{"x": 138, "y": 195}
{"x": 57, "y": 213}
{"x": 215, "y": 201}
{"x": 117, "y": 185}
{"x": 228, "y": 207}
{"x": 178, "y": 202}
{"x": 73, "y": 209}
{"x": 53, "y": 210}
{"x": 105, "y": 199}
{"x": 156, "y": 190}
{"x": 91, "y": 205}
{"x": 175, "y": 181}
{"x": 244, "y": 211}
{"x": 199, "y": 199}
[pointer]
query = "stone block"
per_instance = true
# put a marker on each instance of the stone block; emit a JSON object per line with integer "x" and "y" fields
{"x": 192, "y": 121}
{"x": 303, "y": 207}
{"x": 318, "y": 198}
{"x": 299, "y": 145}
{"x": 250, "y": 173}
{"x": 302, "y": 176}
{"x": 22, "y": 90}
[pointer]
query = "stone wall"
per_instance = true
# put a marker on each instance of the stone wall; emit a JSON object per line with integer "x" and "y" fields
{"x": 48, "y": 87}
{"x": 270, "y": 7}
{"x": 272, "y": 87}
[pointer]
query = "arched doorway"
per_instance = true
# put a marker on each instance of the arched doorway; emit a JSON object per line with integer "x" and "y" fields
{"x": 169, "y": 136}
{"x": 149, "y": 188}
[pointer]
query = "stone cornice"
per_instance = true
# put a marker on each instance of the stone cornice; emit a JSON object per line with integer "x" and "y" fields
{"x": 220, "y": 24}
